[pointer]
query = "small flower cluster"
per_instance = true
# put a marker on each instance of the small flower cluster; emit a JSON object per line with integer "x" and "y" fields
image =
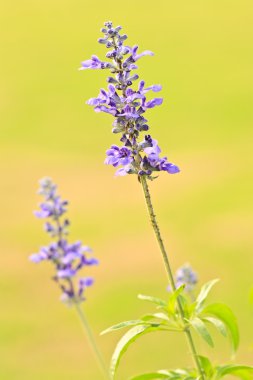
{"x": 127, "y": 106}
{"x": 185, "y": 275}
{"x": 67, "y": 258}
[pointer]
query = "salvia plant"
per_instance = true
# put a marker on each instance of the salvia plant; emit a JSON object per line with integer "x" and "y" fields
{"x": 138, "y": 153}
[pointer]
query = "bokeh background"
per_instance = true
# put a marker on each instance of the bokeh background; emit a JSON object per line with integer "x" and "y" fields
{"x": 204, "y": 61}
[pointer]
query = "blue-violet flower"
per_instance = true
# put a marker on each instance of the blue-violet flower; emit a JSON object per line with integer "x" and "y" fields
{"x": 68, "y": 259}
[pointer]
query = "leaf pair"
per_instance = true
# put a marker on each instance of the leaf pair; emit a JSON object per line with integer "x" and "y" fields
{"x": 240, "y": 371}
{"x": 211, "y": 373}
{"x": 178, "y": 374}
{"x": 140, "y": 328}
{"x": 217, "y": 314}
{"x": 159, "y": 321}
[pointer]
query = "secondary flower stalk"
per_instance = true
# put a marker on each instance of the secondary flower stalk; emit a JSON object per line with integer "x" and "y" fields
{"x": 67, "y": 258}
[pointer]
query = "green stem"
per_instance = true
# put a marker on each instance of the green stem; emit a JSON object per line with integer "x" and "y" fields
{"x": 169, "y": 271}
{"x": 92, "y": 341}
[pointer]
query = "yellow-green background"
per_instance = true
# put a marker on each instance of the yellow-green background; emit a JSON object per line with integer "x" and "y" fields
{"x": 203, "y": 59}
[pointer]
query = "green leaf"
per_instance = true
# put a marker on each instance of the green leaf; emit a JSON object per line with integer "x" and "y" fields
{"x": 204, "y": 291}
{"x": 131, "y": 336}
{"x": 148, "y": 317}
{"x": 224, "y": 314}
{"x": 173, "y": 299}
{"x": 121, "y": 325}
{"x": 187, "y": 307}
{"x": 163, "y": 320}
{"x": 217, "y": 323}
{"x": 206, "y": 366}
{"x": 201, "y": 329}
{"x": 242, "y": 371}
{"x": 161, "y": 316}
{"x": 150, "y": 376}
{"x": 155, "y": 300}
{"x": 178, "y": 374}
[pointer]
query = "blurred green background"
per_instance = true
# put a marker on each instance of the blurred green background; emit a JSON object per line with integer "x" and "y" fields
{"x": 203, "y": 59}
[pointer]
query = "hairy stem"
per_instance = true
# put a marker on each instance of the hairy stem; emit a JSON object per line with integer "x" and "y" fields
{"x": 169, "y": 272}
{"x": 92, "y": 342}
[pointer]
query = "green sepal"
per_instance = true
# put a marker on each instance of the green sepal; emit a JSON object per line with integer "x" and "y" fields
{"x": 224, "y": 314}
{"x": 152, "y": 178}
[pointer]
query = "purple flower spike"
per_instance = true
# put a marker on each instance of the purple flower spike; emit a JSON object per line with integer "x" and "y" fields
{"x": 127, "y": 105}
{"x": 68, "y": 259}
{"x": 185, "y": 276}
